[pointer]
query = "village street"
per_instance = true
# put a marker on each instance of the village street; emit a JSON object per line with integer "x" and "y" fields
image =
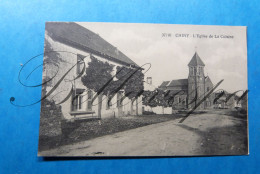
{"x": 165, "y": 139}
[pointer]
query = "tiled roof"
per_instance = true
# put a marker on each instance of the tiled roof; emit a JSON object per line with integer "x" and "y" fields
{"x": 196, "y": 60}
{"x": 79, "y": 37}
{"x": 183, "y": 83}
{"x": 164, "y": 84}
{"x": 179, "y": 82}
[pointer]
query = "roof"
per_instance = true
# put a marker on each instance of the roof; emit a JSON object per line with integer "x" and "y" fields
{"x": 196, "y": 60}
{"x": 164, "y": 84}
{"x": 221, "y": 94}
{"x": 175, "y": 83}
{"x": 208, "y": 79}
{"x": 179, "y": 82}
{"x": 79, "y": 37}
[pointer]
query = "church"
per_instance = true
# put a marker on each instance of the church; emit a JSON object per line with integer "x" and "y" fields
{"x": 188, "y": 92}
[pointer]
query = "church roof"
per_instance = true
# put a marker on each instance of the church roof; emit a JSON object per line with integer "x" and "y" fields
{"x": 174, "y": 83}
{"x": 196, "y": 60}
{"x": 179, "y": 82}
{"x": 79, "y": 37}
{"x": 208, "y": 79}
{"x": 164, "y": 84}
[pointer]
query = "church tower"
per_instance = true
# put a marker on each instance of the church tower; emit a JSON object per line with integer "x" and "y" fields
{"x": 196, "y": 82}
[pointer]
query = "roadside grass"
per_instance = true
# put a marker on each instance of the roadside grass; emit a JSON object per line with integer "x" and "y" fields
{"x": 228, "y": 140}
{"x": 82, "y": 130}
{"x": 230, "y": 112}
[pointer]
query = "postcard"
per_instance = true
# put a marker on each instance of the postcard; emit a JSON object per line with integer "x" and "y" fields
{"x": 133, "y": 90}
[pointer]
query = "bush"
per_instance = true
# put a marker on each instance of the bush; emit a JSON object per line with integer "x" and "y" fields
{"x": 50, "y": 125}
{"x": 148, "y": 113}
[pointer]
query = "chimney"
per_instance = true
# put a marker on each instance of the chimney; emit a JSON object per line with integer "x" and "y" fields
{"x": 149, "y": 80}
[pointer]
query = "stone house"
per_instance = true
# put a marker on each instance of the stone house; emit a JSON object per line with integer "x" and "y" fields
{"x": 69, "y": 43}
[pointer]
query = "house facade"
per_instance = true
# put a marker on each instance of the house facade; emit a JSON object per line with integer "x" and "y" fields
{"x": 188, "y": 92}
{"x": 68, "y": 50}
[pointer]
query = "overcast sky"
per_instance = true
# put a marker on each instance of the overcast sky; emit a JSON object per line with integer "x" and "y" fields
{"x": 225, "y": 58}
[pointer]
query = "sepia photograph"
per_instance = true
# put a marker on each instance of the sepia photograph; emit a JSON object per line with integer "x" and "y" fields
{"x": 133, "y": 90}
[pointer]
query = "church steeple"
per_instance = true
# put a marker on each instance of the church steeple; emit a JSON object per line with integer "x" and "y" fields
{"x": 196, "y": 61}
{"x": 196, "y": 66}
{"x": 196, "y": 80}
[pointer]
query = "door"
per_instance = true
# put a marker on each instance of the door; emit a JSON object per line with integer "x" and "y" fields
{"x": 120, "y": 104}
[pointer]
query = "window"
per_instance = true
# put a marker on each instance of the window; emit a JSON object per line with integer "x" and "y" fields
{"x": 194, "y": 92}
{"x": 89, "y": 101}
{"x": 119, "y": 97}
{"x": 109, "y": 102}
{"x": 77, "y": 99}
{"x": 80, "y": 59}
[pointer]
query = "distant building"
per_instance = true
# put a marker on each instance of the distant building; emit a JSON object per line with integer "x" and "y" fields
{"x": 188, "y": 92}
{"x": 225, "y": 100}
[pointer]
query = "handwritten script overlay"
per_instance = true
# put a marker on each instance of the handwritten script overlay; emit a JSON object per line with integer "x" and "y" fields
{"x": 132, "y": 74}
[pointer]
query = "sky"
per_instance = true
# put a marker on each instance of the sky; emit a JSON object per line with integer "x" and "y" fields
{"x": 169, "y": 48}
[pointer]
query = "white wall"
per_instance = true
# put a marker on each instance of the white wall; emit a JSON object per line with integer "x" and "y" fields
{"x": 64, "y": 88}
{"x": 158, "y": 109}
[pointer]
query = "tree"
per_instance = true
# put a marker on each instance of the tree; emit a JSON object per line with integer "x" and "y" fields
{"x": 98, "y": 73}
{"x": 99, "y": 78}
{"x": 149, "y": 98}
{"x": 133, "y": 79}
{"x": 50, "y": 55}
{"x": 158, "y": 98}
{"x": 133, "y": 83}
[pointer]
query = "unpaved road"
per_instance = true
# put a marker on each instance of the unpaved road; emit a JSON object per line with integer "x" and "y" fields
{"x": 163, "y": 139}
